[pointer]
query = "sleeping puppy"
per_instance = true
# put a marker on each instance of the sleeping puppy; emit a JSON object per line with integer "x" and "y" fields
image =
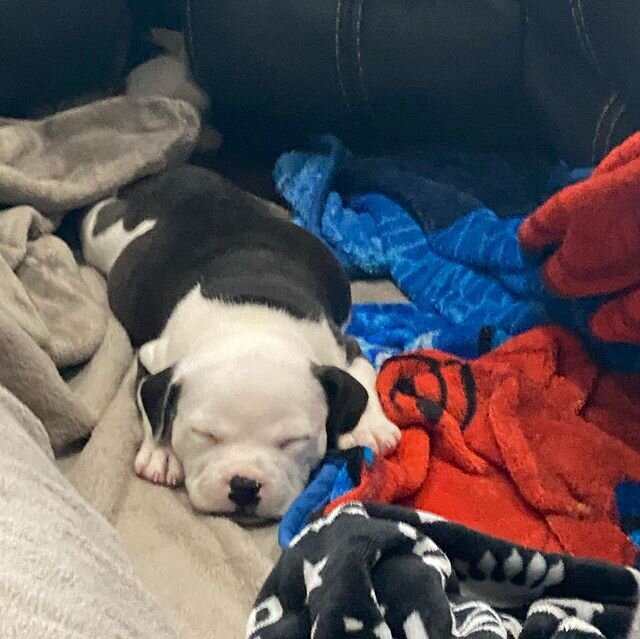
{"x": 247, "y": 376}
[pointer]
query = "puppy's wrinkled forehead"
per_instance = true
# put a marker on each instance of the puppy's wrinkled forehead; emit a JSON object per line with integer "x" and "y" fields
{"x": 252, "y": 392}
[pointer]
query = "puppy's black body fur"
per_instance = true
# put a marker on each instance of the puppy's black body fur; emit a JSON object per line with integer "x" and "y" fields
{"x": 209, "y": 232}
{"x": 229, "y": 243}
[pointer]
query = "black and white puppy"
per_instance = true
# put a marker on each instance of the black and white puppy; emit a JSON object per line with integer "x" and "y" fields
{"x": 238, "y": 316}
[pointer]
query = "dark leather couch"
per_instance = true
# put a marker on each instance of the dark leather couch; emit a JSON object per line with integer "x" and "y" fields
{"x": 377, "y": 72}
{"x": 489, "y": 70}
{"x": 581, "y": 62}
{"x": 52, "y": 53}
{"x": 405, "y": 69}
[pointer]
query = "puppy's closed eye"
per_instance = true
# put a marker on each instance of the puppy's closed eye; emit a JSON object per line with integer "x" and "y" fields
{"x": 210, "y": 437}
{"x": 292, "y": 441}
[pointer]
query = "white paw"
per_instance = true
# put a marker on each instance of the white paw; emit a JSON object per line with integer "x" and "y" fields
{"x": 375, "y": 431}
{"x": 159, "y": 465}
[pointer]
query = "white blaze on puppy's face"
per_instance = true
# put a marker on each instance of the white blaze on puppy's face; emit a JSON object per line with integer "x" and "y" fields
{"x": 254, "y": 414}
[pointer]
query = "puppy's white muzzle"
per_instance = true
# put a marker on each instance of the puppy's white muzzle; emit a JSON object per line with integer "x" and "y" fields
{"x": 242, "y": 481}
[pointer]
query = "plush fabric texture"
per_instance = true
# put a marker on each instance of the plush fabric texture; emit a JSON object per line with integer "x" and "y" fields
{"x": 54, "y": 317}
{"x": 79, "y": 156}
{"x": 55, "y": 300}
{"x": 371, "y": 570}
{"x": 619, "y": 319}
{"x": 457, "y": 261}
{"x": 427, "y": 181}
{"x": 593, "y": 229}
{"x": 527, "y": 442}
{"x": 64, "y": 570}
{"x": 168, "y": 74}
{"x": 26, "y": 370}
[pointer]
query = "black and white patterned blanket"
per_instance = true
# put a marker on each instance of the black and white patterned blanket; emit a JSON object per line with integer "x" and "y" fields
{"x": 385, "y": 572}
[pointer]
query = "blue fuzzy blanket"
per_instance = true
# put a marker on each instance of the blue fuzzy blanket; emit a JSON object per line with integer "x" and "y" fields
{"x": 443, "y": 226}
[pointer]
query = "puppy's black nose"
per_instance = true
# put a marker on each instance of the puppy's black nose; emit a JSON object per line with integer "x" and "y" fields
{"x": 244, "y": 491}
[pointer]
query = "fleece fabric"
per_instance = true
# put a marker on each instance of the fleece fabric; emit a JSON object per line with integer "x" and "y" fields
{"x": 593, "y": 232}
{"x": 462, "y": 268}
{"x": 375, "y": 570}
{"x": 79, "y": 156}
{"x": 64, "y": 569}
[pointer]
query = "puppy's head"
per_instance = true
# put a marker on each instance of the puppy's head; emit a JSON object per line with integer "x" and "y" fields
{"x": 249, "y": 425}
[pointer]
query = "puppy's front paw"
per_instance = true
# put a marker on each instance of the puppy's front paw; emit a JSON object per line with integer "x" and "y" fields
{"x": 374, "y": 431}
{"x": 159, "y": 465}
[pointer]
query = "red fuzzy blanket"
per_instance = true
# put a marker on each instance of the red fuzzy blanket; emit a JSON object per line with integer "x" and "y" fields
{"x": 595, "y": 226}
{"x": 526, "y": 443}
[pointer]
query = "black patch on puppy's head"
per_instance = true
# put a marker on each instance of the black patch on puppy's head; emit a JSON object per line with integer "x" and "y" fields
{"x": 346, "y": 399}
{"x": 158, "y": 401}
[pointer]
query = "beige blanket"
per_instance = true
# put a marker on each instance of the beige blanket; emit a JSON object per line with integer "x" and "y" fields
{"x": 64, "y": 571}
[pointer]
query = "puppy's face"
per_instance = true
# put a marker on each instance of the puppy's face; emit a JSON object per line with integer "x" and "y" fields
{"x": 249, "y": 427}
{"x": 248, "y": 431}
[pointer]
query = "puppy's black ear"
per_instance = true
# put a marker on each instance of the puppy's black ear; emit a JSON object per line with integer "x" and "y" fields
{"x": 346, "y": 397}
{"x": 157, "y": 400}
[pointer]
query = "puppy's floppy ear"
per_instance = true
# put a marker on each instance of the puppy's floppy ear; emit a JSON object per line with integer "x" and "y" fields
{"x": 346, "y": 397}
{"x": 157, "y": 400}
